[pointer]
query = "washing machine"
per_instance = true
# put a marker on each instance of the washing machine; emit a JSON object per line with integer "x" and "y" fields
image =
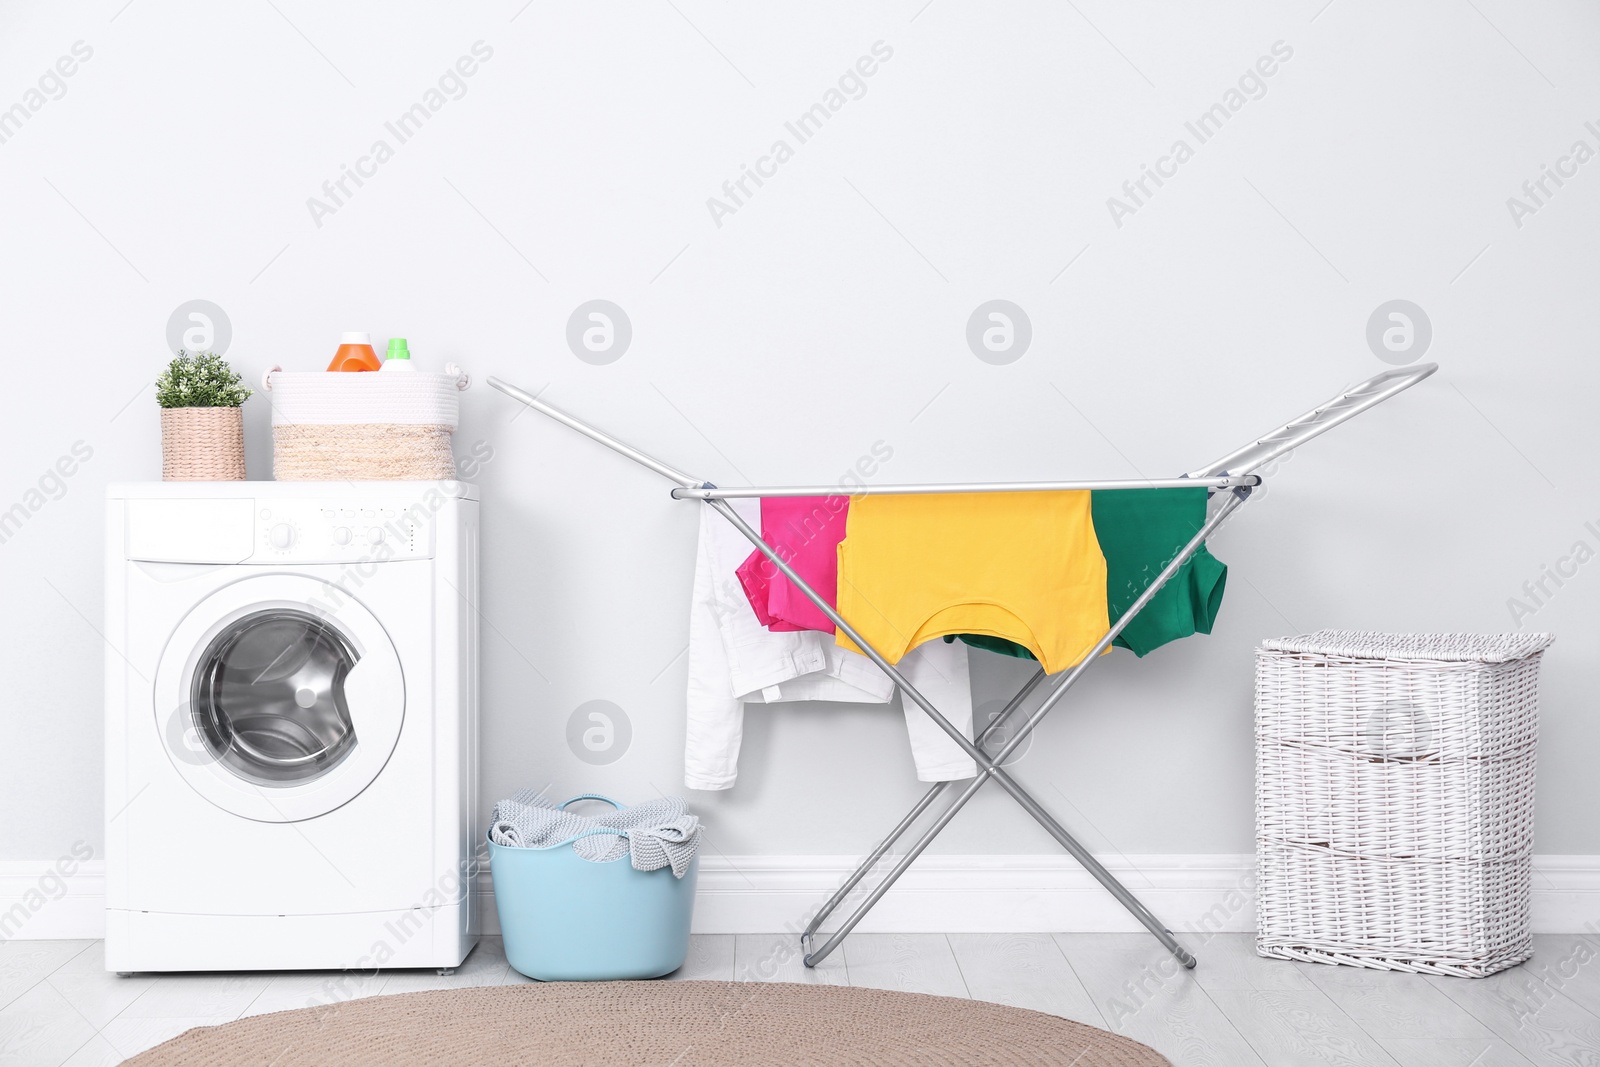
{"x": 291, "y": 725}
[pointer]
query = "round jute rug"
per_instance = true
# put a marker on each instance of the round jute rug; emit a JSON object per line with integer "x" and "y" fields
{"x": 634, "y": 1024}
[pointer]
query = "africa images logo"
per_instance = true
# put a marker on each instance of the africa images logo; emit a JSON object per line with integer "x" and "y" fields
{"x": 852, "y": 85}
{"x": 1252, "y": 85}
{"x": 451, "y": 85}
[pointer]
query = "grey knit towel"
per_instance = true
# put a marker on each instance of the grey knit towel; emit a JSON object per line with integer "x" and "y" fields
{"x": 656, "y": 834}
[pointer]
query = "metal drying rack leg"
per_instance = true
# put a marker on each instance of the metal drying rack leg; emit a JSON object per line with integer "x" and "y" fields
{"x": 938, "y": 789}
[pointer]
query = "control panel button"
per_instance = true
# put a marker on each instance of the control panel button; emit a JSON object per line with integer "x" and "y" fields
{"x": 281, "y": 535}
{"x": 375, "y": 535}
{"x": 341, "y": 536}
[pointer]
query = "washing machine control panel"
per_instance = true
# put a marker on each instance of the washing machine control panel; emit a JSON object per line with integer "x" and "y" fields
{"x": 310, "y": 531}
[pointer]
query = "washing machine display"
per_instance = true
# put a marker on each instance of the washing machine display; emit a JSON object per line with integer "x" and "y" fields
{"x": 268, "y": 697}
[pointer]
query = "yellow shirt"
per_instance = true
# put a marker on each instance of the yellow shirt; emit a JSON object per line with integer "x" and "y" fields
{"x": 1023, "y": 566}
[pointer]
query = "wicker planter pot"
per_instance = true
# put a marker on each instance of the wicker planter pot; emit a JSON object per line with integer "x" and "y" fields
{"x": 202, "y": 444}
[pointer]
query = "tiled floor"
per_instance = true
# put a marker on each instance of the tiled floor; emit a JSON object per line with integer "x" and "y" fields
{"x": 59, "y": 1006}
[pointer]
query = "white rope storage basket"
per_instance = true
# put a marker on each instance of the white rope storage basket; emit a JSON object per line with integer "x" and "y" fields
{"x": 367, "y": 426}
{"x": 1394, "y": 799}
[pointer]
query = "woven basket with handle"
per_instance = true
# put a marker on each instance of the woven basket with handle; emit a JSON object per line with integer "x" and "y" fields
{"x": 363, "y": 426}
{"x": 202, "y": 444}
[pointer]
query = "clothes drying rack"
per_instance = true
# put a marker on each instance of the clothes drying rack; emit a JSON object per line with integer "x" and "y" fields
{"x": 1233, "y": 474}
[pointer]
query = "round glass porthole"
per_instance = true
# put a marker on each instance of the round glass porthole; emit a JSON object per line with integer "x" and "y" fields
{"x": 268, "y": 697}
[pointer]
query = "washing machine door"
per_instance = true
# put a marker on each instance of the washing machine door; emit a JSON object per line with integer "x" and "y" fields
{"x": 279, "y": 698}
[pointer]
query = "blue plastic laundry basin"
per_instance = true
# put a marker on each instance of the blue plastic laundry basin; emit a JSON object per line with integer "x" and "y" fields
{"x": 565, "y": 918}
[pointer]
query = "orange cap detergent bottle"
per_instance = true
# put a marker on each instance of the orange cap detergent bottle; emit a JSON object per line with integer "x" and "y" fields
{"x": 355, "y": 353}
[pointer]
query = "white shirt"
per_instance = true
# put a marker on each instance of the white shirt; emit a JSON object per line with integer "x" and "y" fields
{"x": 734, "y": 660}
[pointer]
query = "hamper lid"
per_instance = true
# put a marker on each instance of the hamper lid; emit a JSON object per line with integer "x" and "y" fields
{"x": 1363, "y": 644}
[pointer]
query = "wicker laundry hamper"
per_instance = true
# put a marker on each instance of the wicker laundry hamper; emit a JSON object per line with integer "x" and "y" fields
{"x": 329, "y": 426}
{"x": 1394, "y": 799}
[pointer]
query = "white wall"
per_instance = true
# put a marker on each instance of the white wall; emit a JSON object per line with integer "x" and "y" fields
{"x": 826, "y": 314}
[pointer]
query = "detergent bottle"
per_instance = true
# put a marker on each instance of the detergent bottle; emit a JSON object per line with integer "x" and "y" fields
{"x": 399, "y": 356}
{"x": 355, "y": 353}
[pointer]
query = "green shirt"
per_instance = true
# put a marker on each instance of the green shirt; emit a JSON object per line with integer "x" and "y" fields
{"x": 1140, "y": 531}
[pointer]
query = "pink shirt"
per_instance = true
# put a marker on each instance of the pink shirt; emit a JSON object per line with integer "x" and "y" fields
{"x": 805, "y": 531}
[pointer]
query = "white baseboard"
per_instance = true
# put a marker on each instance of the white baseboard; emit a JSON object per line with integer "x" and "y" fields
{"x": 977, "y": 894}
{"x": 37, "y": 903}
